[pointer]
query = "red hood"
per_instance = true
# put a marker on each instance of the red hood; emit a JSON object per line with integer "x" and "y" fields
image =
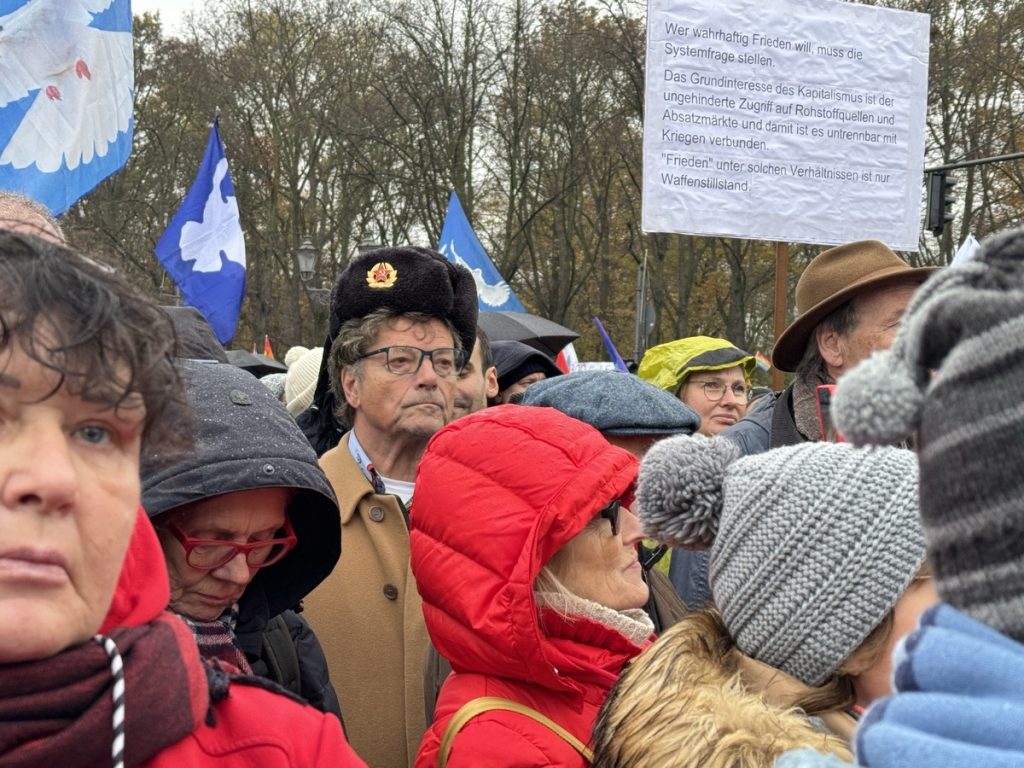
{"x": 497, "y": 494}
{"x": 142, "y": 588}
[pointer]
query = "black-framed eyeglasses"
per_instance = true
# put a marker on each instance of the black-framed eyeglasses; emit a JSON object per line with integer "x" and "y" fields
{"x": 611, "y": 514}
{"x": 210, "y": 554}
{"x": 404, "y": 361}
{"x": 715, "y": 390}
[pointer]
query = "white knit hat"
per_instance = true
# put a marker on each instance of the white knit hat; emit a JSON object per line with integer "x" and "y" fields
{"x": 300, "y": 382}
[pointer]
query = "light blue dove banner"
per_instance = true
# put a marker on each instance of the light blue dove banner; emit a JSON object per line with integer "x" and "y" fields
{"x": 203, "y": 248}
{"x": 67, "y": 92}
{"x": 459, "y": 244}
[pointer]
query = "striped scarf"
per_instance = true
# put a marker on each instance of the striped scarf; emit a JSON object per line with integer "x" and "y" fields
{"x": 216, "y": 639}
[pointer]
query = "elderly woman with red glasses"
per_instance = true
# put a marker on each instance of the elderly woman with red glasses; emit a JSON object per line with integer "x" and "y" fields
{"x": 249, "y": 526}
{"x": 524, "y": 549}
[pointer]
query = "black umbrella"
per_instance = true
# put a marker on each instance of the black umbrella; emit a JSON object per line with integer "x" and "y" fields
{"x": 257, "y": 365}
{"x": 540, "y": 333}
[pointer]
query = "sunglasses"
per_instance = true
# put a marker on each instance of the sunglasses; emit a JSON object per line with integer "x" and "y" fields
{"x": 611, "y": 514}
{"x": 210, "y": 554}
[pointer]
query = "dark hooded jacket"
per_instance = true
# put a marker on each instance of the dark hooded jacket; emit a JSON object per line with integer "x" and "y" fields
{"x": 245, "y": 439}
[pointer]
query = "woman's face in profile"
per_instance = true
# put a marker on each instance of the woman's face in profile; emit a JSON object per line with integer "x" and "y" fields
{"x": 603, "y": 566}
{"x": 69, "y": 490}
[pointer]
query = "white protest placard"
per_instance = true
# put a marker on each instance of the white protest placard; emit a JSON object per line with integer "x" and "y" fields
{"x": 789, "y": 120}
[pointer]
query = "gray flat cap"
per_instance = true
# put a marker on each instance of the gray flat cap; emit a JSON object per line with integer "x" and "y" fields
{"x": 615, "y": 403}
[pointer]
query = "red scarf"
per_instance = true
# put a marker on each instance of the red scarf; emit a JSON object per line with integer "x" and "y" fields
{"x": 57, "y": 711}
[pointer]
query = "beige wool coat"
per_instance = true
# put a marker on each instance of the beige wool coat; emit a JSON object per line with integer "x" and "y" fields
{"x": 368, "y": 617}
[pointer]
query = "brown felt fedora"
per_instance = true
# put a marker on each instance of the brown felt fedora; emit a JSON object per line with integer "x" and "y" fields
{"x": 831, "y": 279}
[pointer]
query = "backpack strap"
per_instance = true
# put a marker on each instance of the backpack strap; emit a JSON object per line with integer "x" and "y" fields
{"x": 280, "y": 656}
{"x": 478, "y": 706}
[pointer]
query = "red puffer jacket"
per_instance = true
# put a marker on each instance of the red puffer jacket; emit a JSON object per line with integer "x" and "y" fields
{"x": 497, "y": 494}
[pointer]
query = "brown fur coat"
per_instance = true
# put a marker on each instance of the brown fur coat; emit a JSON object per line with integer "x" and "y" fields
{"x": 692, "y": 701}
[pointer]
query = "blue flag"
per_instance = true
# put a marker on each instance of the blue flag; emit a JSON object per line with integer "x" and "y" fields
{"x": 203, "y": 249}
{"x": 609, "y": 345}
{"x": 459, "y": 244}
{"x": 67, "y": 93}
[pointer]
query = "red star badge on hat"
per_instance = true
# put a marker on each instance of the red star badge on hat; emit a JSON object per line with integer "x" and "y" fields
{"x": 381, "y": 275}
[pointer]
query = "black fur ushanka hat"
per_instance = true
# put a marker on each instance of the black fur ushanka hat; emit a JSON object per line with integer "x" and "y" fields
{"x": 406, "y": 279}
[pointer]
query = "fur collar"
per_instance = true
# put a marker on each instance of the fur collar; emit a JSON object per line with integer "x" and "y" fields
{"x": 634, "y": 623}
{"x": 685, "y": 687}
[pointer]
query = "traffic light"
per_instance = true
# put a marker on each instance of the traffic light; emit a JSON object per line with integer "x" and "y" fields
{"x": 940, "y": 203}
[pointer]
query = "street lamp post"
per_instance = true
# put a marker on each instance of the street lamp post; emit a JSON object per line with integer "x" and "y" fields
{"x": 306, "y": 256}
{"x": 366, "y": 245}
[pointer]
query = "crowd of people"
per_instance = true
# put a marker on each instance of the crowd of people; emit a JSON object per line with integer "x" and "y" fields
{"x": 424, "y": 547}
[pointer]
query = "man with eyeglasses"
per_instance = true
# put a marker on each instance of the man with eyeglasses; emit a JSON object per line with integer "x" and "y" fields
{"x": 405, "y": 319}
{"x": 849, "y": 300}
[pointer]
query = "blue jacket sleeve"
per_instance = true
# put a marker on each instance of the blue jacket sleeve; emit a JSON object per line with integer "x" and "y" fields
{"x": 752, "y": 434}
{"x": 959, "y": 700}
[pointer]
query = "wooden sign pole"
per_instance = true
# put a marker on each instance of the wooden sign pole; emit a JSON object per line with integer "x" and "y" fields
{"x": 781, "y": 310}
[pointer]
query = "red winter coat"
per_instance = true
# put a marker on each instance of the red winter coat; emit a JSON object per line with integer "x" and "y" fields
{"x": 253, "y": 727}
{"x": 498, "y": 493}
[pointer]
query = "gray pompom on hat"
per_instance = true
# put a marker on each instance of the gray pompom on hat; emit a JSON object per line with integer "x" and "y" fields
{"x": 680, "y": 490}
{"x": 615, "y": 403}
{"x": 275, "y": 383}
{"x": 811, "y": 544}
{"x": 954, "y": 378}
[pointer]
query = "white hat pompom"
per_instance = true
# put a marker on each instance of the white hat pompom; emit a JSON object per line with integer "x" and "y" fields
{"x": 294, "y": 354}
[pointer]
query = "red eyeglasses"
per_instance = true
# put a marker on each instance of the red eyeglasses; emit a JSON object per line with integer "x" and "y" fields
{"x": 209, "y": 554}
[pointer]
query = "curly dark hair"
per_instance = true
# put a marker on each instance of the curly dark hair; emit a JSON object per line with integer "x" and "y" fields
{"x": 107, "y": 343}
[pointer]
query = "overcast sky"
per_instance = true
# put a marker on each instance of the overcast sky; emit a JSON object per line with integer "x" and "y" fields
{"x": 172, "y": 12}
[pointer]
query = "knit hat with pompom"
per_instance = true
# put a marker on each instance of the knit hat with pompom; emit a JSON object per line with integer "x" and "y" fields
{"x": 811, "y": 544}
{"x": 954, "y": 379}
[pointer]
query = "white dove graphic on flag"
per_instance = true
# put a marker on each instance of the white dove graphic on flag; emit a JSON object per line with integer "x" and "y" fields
{"x": 460, "y": 245}
{"x": 66, "y": 96}
{"x": 203, "y": 241}
{"x": 203, "y": 248}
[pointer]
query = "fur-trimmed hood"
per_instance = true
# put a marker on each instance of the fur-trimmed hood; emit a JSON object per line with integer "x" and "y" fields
{"x": 690, "y": 700}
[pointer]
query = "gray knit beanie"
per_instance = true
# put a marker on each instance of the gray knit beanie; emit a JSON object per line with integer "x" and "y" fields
{"x": 955, "y": 377}
{"x": 811, "y": 544}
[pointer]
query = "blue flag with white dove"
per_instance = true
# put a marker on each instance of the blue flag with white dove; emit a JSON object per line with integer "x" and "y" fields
{"x": 67, "y": 91}
{"x": 203, "y": 248}
{"x": 459, "y": 244}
